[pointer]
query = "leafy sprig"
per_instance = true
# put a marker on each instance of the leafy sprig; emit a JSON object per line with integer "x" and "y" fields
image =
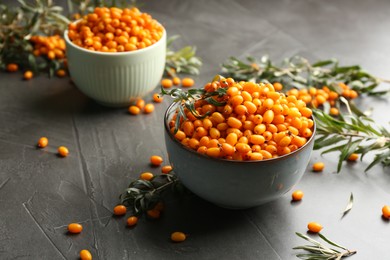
{"x": 18, "y": 24}
{"x": 352, "y": 134}
{"x": 181, "y": 61}
{"x": 186, "y": 100}
{"x": 298, "y": 72}
{"x": 320, "y": 251}
{"x": 142, "y": 195}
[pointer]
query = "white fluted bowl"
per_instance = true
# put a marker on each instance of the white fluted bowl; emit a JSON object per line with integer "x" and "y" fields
{"x": 114, "y": 79}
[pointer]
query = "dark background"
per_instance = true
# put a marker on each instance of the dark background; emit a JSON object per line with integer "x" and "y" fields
{"x": 41, "y": 193}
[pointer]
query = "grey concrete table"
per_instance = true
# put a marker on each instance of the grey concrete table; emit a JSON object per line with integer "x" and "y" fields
{"x": 41, "y": 193}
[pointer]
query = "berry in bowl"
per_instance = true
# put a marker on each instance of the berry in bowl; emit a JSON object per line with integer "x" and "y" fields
{"x": 238, "y": 144}
{"x": 116, "y": 55}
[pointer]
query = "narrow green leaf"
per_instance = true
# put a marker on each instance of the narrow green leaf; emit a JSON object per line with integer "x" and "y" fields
{"x": 348, "y": 208}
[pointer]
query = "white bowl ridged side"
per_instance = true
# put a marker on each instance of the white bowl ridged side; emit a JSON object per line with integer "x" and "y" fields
{"x": 114, "y": 80}
{"x": 131, "y": 81}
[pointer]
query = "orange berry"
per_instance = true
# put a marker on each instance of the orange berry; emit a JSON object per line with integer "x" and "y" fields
{"x": 61, "y": 73}
{"x": 131, "y": 221}
{"x": 149, "y": 108}
{"x": 120, "y": 210}
{"x": 28, "y": 75}
{"x": 318, "y": 166}
{"x": 166, "y": 83}
{"x": 134, "y": 110}
{"x": 12, "y": 67}
{"x": 353, "y": 157}
{"x": 157, "y": 98}
{"x": 140, "y": 103}
{"x": 178, "y": 236}
{"x": 85, "y": 255}
{"x": 187, "y": 82}
{"x": 166, "y": 169}
{"x": 334, "y": 111}
{"x": 386, "y": 211}
{"x": 63, "y": 151}
{"x": 176, "y": 81}
{"x": 278, "y": 86}
{"x": 314, "y": 227}
{"x": 153, "y": 213}
{"x": 43, "y": 142}
{"x": 297, "y": 195}
{"x": 147, "y": 176}
{"x": 156, "y": 160}
{"x": 75, "y": 228}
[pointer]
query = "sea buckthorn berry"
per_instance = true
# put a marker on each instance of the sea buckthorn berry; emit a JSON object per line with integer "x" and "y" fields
{"x": 314, "y": 227}
{"x": 75, "y": 228}
{"x": 12, "y": 67}
{"x": 178, "y": 236}
{"x": 334, "y": 111}
{"x": 166, "y": 169}
{"x": 28, "y": 75}
{"x": 131, "y": 221}
{"x": 187, "y": 82}
{"x": 278, "y": 86}
{"x": 147, "y": 176}
{"x": 176, "y": 81}
{"x": 61, "y": 73}
{"x": 43, "y": 142}
{"x": 85, "y": 255}
{"x": 156, "y": 160}
{"x": 353, "y": 157}
{"x": 386, "y": 211}
{"x": 157, "y": 98}
{"x": 318, "y": 166}
{"x": 297, "y": 195}
{"x": 149, "y": 108}
{"x": 140, "y": 103}
{"x": 153, "y": 213}
{"x": 134, "y": 110}
{"x": 63, "y": 151}
{"x": 120, "y": 210}
{"x": 166, "y": 83}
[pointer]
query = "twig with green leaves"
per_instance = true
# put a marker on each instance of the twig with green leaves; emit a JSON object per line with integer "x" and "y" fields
{"x": 142, "y": 195}
{"x": 181, "y": 61}
{"x": 298, "y": 72}
{"x": 187, "y": 99}
{"x": 352, "y": 134}
{"x": 320, "y": 251}
{"x": 17, "y": 25}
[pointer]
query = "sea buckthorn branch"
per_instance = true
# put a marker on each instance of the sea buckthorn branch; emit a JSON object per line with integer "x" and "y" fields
{"x": 17, "y": 25}
{"x": 352, "y": 134}
{"x": 187, "y": 99}
{"x": 320, "y": 251}
{"x": 143, "y": 195}
{"x": 181, "y": 61}
{"x": 298, "y": 72}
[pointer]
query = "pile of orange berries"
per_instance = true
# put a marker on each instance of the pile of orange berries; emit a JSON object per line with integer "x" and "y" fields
{"x": 115, "y": 30}
{"x": 255, "y": 123}
{"x": 52, "y": 47}
{"x": 317, "y": 97}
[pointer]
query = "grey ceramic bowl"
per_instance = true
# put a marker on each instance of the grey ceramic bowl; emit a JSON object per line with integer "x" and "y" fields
{"x": 114, "y": 79}
{"x": 235, "y": 184}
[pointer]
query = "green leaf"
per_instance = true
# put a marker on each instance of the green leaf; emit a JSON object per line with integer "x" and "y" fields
{"x": 348, "y": 208}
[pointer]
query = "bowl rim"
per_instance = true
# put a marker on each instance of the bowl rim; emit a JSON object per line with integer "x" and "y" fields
{"x": 265, "y": 161}
{"x": 123, "y": 53}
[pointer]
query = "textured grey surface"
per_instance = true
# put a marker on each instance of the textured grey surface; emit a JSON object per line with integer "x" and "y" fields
{"x": 41, "y": 193}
